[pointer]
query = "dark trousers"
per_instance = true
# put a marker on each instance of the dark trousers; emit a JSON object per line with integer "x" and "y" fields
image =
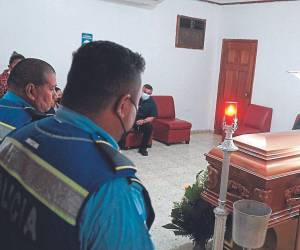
{"x": 146, "y": 129}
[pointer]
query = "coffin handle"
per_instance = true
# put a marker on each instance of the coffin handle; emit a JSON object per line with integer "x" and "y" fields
{"x": 237, "y": 191}
{"x": 292, "y": 196}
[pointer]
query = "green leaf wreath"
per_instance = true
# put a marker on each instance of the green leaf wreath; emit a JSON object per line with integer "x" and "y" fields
{"x": 192, "y": 216}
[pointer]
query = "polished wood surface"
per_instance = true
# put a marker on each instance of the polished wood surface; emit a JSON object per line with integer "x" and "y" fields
{"x": 270, "y": 145}
{"x": 266, "y": 168}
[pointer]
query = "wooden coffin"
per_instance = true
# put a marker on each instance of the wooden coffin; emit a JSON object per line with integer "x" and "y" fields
{"x": 266, "y": 168}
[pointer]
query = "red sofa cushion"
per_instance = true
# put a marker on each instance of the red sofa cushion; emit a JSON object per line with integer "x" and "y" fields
{"x": 165, "y": 106}
{"x": 258, "y": 117}
{"x": 172, "y": 124}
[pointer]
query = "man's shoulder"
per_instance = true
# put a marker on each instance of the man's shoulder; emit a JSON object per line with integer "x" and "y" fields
{"x": 50, "y": 134}
{"x": 152, "y": 103}
{"x": 9, "y": 104}
{"x": 70, "y": 145}
{"x": 149, "y": 101}
{"x": 53, "y": 128}
{"x": 13, "y": 114}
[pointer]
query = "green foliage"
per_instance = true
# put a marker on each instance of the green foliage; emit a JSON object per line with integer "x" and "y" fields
{"x": 192, "y": 216}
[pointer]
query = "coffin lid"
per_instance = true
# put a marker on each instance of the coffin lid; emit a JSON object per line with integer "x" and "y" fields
{"x": 270, "y": 146}
{"x": 268, "y": 155}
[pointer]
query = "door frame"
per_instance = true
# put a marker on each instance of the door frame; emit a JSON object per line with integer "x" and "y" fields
{"x": 220, "y": 88}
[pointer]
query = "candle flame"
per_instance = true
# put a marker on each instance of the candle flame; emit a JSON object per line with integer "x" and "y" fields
{"x": 230, "y": 110}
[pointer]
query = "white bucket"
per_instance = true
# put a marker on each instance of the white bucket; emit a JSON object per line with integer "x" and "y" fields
{"x": 250, "y": 223}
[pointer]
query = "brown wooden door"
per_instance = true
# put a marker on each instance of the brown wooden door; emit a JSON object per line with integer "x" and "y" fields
{"x": 236, "y": 77}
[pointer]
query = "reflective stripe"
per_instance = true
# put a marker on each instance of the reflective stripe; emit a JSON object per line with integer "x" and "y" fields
{"x": 132, "y": 179}
{"x": 51, "y": 187}
{"x": 125, "y": 167}
{"x": 5, "y": 129}
{"x": 108, "y": 144}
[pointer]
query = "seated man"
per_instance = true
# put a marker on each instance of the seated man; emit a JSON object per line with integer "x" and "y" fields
{"x": 31, "y": 89}
{"x": 146, "y": 113}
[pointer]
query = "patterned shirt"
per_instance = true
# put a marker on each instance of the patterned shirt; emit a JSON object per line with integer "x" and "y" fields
{"x": 3, "y": 82}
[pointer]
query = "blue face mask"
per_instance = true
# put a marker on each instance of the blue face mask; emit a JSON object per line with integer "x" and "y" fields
{"x": 145, "y": 96}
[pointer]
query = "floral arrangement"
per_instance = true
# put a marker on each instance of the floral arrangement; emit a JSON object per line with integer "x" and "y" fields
{"x": 192, "y": 216}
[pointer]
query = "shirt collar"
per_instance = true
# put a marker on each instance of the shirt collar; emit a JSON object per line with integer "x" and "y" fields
{"x": 82, "y": 122}
{"x": 10, "y": 96}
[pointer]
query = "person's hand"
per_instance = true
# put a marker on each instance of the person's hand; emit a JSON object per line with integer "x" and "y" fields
{"x": 139, "y": 122}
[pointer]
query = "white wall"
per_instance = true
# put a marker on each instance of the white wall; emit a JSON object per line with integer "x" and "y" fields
{"x": 276, "y": 27}
{"x": 51, "y": 30}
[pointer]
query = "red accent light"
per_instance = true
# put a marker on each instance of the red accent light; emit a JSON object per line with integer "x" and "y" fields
{"x": 230, "y": 112}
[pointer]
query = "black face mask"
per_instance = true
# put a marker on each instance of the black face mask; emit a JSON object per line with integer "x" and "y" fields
{"x": 125, "y": 133}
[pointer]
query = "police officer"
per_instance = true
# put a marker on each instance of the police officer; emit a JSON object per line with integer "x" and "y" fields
{"x": 31, "y": 90}
{"x": 63, "y": 182}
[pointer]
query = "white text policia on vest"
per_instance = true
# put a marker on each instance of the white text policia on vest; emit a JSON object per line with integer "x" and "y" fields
{"x": 20, "y": 212}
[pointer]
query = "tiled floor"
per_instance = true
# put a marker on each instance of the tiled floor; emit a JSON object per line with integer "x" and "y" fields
{"x": 165, "y": 172}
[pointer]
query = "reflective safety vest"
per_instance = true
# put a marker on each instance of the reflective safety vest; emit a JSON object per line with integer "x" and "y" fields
{"x": 14, "y": 116}
{"x": 48, "y": 170}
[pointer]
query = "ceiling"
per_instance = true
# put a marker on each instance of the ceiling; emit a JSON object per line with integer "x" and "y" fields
{"x": 228, "y": 2}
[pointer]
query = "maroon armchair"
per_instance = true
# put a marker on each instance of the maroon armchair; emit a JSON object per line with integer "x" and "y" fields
{"x": 166, "y": 127}
{"x": 257, "y": 119}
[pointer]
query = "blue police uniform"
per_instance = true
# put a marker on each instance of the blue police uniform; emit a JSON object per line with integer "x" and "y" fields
{"x": 15, "y": 112}
{"x": 65, "y": 185}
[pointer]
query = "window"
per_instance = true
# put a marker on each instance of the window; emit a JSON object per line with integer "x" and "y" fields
{"x": 190, "y": 32}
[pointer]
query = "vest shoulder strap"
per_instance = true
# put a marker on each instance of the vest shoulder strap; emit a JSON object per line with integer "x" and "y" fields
{"x": 116, "y": 159}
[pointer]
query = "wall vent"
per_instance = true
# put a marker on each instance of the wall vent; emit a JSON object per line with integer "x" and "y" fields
{"x": 190, "y": 32}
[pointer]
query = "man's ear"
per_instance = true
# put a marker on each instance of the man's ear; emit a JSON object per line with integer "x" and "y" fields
{"x": 30, "y": 91}
{"x": 121, "y": 107}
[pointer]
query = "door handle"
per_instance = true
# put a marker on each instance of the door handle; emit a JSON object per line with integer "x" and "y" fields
{"x": 246, "y": 94}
